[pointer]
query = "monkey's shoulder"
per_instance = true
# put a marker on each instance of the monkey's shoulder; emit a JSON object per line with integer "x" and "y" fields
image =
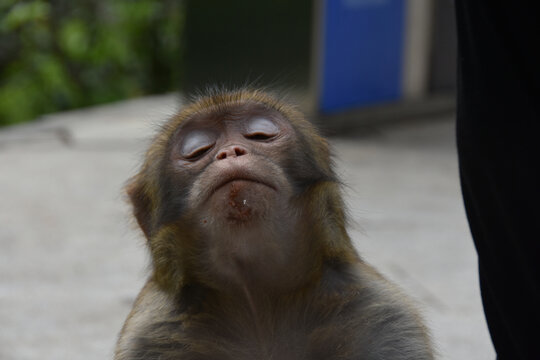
{"x": 358, "y": 314}
{"x": 151, "y": 307}
{"x": 376, "y": 316}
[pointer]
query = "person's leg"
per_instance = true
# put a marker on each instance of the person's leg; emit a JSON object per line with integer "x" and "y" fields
{"x": 498, "y": 135}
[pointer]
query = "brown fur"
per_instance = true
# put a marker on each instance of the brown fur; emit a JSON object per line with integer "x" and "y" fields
{"x": 295, "y": 287}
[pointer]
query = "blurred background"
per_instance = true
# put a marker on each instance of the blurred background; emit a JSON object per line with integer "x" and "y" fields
{"x": 84, "y": 83}
{"x": 341, "y": 55}
{"x": 59, "y": 55}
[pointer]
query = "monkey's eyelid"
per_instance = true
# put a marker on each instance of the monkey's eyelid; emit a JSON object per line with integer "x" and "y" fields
{"x": 259, "y": 136}
{"x": 196, "y": 142}
{"x": 198, "y": 152}
{"x": 261, "y": 128}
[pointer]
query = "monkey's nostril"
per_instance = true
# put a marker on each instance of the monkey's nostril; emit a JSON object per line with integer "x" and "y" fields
{"x": 231, "y": 151}
{"x": 239, "y": 151}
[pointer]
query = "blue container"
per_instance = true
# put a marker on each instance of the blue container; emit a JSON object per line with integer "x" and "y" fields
{"x": 362, "y": 53}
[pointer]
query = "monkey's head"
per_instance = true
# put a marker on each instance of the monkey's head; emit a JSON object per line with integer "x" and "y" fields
{"x": 239, "y": 187}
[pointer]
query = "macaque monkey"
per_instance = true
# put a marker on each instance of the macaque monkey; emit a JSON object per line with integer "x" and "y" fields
{"x": 251, "y": 259}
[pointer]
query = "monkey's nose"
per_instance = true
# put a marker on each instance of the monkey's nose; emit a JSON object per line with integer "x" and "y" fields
{"x": 231, "y": 151}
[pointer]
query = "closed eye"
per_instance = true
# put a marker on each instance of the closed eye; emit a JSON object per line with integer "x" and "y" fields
{"x": 261, "y": 129}
{"x": 259, "y": 136}
{"x": 198, "y": 152}
{"x": 196, "y": 143}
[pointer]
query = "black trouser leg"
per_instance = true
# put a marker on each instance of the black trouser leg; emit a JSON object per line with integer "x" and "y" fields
{"x": 498, "y": 135}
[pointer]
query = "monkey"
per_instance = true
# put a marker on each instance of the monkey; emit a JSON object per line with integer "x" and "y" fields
{"x": 245, "y": 222}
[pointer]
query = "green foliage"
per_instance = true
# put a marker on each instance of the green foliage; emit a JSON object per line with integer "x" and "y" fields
{"x": 65, "y": 54}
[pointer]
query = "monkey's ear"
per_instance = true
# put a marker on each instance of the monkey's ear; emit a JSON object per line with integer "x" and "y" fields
{"x": 142, "y": 204}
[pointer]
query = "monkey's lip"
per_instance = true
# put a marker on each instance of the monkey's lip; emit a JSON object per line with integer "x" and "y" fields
{"x": 240, "y": 176}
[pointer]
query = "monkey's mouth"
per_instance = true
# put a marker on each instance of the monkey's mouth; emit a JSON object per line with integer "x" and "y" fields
{"x": 239, "y": 178}
{"x": 231, "y": 180}
{"x": 251, "y": 180}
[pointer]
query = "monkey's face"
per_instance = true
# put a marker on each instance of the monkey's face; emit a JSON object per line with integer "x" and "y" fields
{"x": 238, "y": 195}
{"x": 233, "y": 163}
{"x": 228, "y": 186}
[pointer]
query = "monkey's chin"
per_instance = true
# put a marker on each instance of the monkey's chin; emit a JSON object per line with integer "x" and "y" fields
{"x": 241, "y": 202}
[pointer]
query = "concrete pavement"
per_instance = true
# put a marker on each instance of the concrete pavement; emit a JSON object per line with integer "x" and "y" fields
{"x": 72, "y": 260}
